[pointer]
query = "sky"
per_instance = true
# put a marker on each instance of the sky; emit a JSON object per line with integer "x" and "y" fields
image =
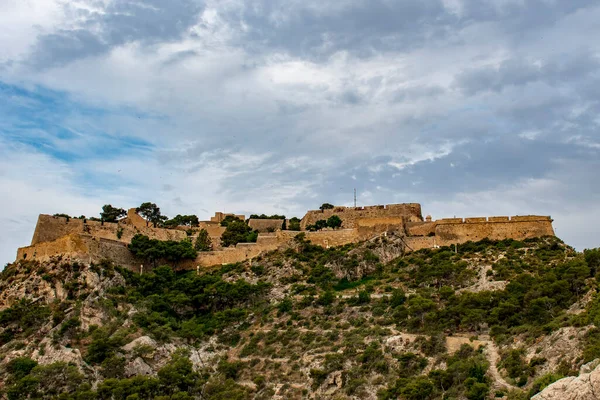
{"x": 469, "y": 107}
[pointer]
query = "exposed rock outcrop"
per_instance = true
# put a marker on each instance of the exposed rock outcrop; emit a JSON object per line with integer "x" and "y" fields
{"x": 586, "y": 386}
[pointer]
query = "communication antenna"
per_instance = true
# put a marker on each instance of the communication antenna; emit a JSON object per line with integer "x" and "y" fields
{"x": 354, "y": 197}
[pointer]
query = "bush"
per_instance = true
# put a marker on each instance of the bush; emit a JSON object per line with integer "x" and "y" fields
{"x": 153, "y": 249}
{"x": 238, "y": 231}
{"x": 334, "y": 222}
{"x": 203, "y": 242}
{"x": 111, "y": 214}
{"x": 113, "y": 367}
{"x": 542, "y": 382}
{"x": 294, "y": 224}
{"x": 326, "y": 206}
{"x": 318, "y": 376}
{"x": 20, "y": 367}
{"x": 285, "y": 306}
{"x": 230, "y": 370}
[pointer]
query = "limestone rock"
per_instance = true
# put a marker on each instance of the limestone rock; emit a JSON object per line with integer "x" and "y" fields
{"x": 335, "y": 379}
{"x": 584, "y": 387}
{"x": 141, "y": 341}
{"x": 57, "y": 353}
{"x": 563, "y": 345}
{"x": 137, "y": 367}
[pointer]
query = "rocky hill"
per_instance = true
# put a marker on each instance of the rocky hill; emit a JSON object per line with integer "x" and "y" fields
{"x": 497, "y": 319}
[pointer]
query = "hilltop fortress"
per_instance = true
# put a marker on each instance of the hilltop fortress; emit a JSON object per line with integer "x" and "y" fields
{"x": 92, "y": 241}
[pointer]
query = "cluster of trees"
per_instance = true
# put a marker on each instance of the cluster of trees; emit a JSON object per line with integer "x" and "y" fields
{"x": 153, "y": 215}
{"x": 176, "y": 380}
{"x": 264, "y": 216}
{"x": 190, "y": 305}
{"x": 464, "y": 377}
{"x": 534, "y": 300}
{"x": 332, "y": 222}
{"x": 21, "y": 319}
{"x": 151, "y": 212}
{"x": 182, "y": 220}
{"x": 154, "y": 250}
{"x": 237, "y": 231}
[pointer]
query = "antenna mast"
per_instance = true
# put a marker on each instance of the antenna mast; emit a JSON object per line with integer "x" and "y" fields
{"x": 354, "y": 197}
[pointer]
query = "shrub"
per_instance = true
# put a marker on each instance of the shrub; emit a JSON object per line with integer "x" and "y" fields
{"x": 20, "y": 367}
{"x": 334, "y": 222}
{"x": 318, "y": 376}
{"x": 153, "y": 249}
{"x": 238, "y": 231}
{"x": 111, "y": 214}
{"x": 203, "y": 242}
{"x": 294, "y": 224}
{"x": 230, "y": 370}
{"x": 326, "y": 206}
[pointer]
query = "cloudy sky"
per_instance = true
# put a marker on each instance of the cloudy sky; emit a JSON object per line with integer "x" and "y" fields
{"x": 469, "y": 107}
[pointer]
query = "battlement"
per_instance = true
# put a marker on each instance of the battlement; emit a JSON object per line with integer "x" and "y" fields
{"x": 472, "y": 220}
{"x": 93, "y": 240}
{"x": 349, "y": 215}
{"x": 219, "y": 217}
{"x": 393, "y": 207}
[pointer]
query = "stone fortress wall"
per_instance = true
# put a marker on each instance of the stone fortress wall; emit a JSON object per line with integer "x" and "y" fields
{"x": 350, "y": 215}
{"x": 265, "y": 225}
{"x": 93, "y": 241}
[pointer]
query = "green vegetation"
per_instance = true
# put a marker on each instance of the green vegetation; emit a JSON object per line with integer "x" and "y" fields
{"x": 154, "y": 250}
{"x": 203, "y": 242}
{"x": 151, "y": 212}
{"x": 464, "y": 377}
{"x": 350, "y": 319}
{"x": 22, "y": 319}
{"x": 332, "y": 222}
{"x": 111, "y": 214}
{"x": 237, "y": 231}
{"x": 326, "y": 206}
{"x": 177, "y": 380}
{"x": 182, "y": 220}
{"x": 294, "y": 224}
{"x": 189, "y": 305}
{"x": 63, "y": 215}
{"x": 263, "y": 216}
{"x": 229, "y": 219}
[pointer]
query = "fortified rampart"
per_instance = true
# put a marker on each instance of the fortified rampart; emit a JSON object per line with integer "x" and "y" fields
{"x": 84, "y": 247}
{"x": 93, "y": 241}
{"x": 410, "y": 212}
{"x": 50, "y": 228}
{"x": 265, "y": 225}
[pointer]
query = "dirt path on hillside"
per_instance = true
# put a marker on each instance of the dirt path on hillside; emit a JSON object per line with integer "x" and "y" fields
{"x": 491, "y": 352}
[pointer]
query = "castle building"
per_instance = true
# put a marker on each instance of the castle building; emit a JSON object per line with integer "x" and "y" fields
{"x": 93, "y": 241}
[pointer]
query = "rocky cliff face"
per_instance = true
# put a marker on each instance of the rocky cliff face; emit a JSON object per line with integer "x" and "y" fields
{"x": 586, "y": 386}
{"x": 362, "y": 321}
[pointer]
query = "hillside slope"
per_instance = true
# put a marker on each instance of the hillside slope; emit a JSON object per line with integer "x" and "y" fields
{"x": 365, "y": 321}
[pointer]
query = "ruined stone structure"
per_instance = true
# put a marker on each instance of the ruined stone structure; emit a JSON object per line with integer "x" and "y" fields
{"x": 92, "y": 240}
{"x": 350, "y": 215}
{"x": 265, "y": 225}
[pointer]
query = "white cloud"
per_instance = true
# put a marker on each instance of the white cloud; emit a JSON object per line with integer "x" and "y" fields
{"x": 267, "y": 107}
